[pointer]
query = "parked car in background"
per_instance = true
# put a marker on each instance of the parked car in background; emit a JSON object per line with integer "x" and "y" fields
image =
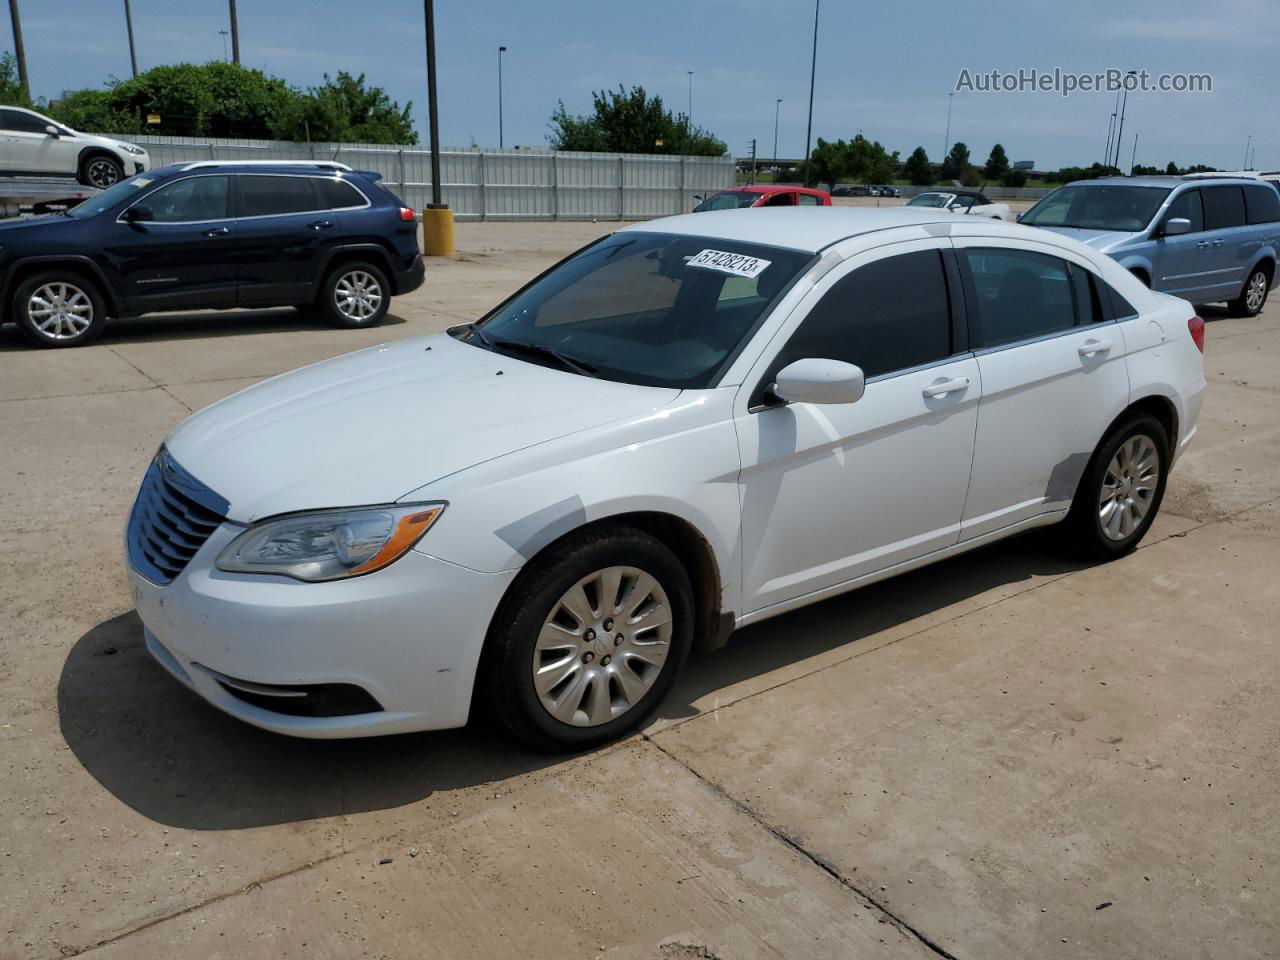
{"x": 962, "y": 201}
{"x": 31, "y": 144}
{"x": 1205, "y": 239}
{"x": 886, "y": 191}
{"x": 851, "y": 190}
{"x": 688, "y": 426}
{"x": 210, "y": 235}
{"x": 764, "y": 195}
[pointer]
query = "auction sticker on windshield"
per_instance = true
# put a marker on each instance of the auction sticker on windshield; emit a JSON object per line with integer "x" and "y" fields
{"x": 738, "y": 264}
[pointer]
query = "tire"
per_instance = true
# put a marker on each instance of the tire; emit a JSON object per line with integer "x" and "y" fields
{"x": 1095, "y": 532}
{"x": 1253, "y": 297}
{"x": 100, "y": 170}
{"x": 370, "y": 295}
{"x": 59, "y": 308}
{"x": 581, "y": 663}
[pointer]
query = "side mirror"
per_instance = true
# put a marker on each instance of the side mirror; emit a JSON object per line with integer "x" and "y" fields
{"x": 138, "y": 214}
{"x": 52, "y": 131}
{"x": 815, "y": 380}
{"x": 1176, "y": 226}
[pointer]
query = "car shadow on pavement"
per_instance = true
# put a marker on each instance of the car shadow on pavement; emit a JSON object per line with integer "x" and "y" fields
{"x": 198, "y": 326}
{"x": 167, "y": 754}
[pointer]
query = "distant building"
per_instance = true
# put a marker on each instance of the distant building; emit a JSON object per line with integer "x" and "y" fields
{"x": 1024, "y": 164}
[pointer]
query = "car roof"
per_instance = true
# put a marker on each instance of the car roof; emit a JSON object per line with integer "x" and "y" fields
{"x": 1168, "y": 181}
{"x": 769, "y": 188}
{"x": 810, "y": 229}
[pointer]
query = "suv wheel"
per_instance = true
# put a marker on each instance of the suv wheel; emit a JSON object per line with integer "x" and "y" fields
{"x": 100, "y": 171}
{"x": 59, "y": 309}
{"x": 355, "y": 295}
{"x": 1254, "y": 295}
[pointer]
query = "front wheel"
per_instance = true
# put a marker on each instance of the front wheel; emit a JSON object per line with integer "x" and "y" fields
{"x": 590, "y": 640}
{"x": 100, "y": 171}
{"x": 59, "y": 309}
{"x": 1254, "y": 295}
{"x": 1120, "y": 492}
{"x": 355, "y": 295}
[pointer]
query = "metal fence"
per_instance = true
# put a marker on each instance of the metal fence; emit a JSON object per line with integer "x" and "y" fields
{"x": 495, "y": 184}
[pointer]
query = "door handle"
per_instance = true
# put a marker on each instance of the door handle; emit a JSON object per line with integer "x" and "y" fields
{"x": 958, "y": 385}
{"x": 217, "y": 232}
{"x": 1092, "y": 346}
{"x": 1202, "y": 244}
{"x": 1218, "y": 243}
{"x": 321, "y": 225}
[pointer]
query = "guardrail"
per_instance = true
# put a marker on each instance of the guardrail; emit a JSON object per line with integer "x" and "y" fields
{"x": 495, "y": 184}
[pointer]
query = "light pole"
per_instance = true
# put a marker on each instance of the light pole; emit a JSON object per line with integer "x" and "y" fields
{"x": 1247, "y": 145}
{"x": 776, "y": 107}
{"x": 19, "y": 52}
{"x": 433, "y": 118}
{"x": 501, "y": 51}
{"x": 224, "y": 44}
{"x": 1111, "y": 129}
{"x": 133, "y": 51}
{"x": 946, "y": 146}
{"x": 235, "y": 34}
{"x": 688, "y": 117}
{"x": 1123, "y": 107}
{"x": 813, "y": 69}
{"x": 1133, "y": 159}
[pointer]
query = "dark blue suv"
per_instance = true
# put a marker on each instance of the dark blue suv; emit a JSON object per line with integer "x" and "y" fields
{"x": 210, "y": 235}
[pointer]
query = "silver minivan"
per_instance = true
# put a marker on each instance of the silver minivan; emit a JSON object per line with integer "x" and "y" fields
{"x": 1207, "y": 240}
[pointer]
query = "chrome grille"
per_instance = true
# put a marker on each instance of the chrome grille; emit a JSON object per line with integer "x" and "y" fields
{"x": 172, "y": 518}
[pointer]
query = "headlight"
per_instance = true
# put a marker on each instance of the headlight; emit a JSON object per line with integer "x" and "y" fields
{"x": 130, "y": 148}
{"x": 330, "y": 544}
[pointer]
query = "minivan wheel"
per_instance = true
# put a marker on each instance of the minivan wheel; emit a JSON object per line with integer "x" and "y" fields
{"x": 1254, "y": 295}
{"x": 590, "y": 639}
{"x": 1120, "y": 492}
{"x": 100, "y": 171}
{"x": 355, "y": 295}
{"x": 59, "y": 309}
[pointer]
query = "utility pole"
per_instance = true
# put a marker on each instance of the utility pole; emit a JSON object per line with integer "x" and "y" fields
{"x": 946, "y": 146}
{"x": 689, "y": 115}
{"x": 1133, "y": 159}
{"x": 501, "y": 51}
{"x": 432, "y": 113}
{"x": 19, "y": 52}
{"x": 1111, "y": 129}
{"x": 776, "y": 108}
{"x": 751, "y": 178}
{"x": 223, "y": 34}
{"x": 133, "y": 51}
{"x": 813, "y": 69}
{"x": 235, "y": 35}
{"x": 1123, "y": 107}
{"x": 1247, "y": 145}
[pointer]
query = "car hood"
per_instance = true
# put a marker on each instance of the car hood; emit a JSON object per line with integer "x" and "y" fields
{"x": 1104, "y": 241}
{"x": 372, "y": 426}
{"x": 50, "y": 221}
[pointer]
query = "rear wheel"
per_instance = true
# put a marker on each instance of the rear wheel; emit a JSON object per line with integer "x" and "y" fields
{"x": 589, "y": 642}
{"x": 59, "y": 309}
{"x": 355, "y": 295}
{"x": 1120, "y": 492}
{"x": 1254, "y": 295}
{"x": 101, "y": 171}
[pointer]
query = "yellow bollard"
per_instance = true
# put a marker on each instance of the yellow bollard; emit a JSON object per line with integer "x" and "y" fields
{"x": 437, "y": 232}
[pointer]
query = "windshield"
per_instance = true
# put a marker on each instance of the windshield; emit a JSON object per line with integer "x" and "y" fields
{"x": 1120, "y": 207}
{"x": 654, "y": 309}
{"x": 728, "y": 200}
{"x": 929, "y": 200}
{"x": 110, "y": 197}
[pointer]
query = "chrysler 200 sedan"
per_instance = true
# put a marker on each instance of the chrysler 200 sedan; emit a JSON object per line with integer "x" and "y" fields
{"x": 687, "y": 426}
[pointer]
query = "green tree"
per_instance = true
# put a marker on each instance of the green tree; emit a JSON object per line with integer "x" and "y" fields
{"x": 828, "y": 162}
{"x": 1172, "y": 169}
{"x": 997, "y": 164}
{"x": 630, "y": 121}
{"x": 970, "y": 176}
{"x": 868, "y": 162}
{"x": 1014, "y": 178}
{"x": 11, "y": 92}
{"x": 917, "y": 169}
{"x": 344, "y": 109}
{"x": 956, "y": 162}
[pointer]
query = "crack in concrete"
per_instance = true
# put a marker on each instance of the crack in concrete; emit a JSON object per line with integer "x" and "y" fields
{"x": 819, "y": 861}
{"x": 144, "y": 373}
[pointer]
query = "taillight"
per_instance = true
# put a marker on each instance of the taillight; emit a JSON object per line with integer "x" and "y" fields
{"x": 407, "y": 215}
{"x": 1196, "y": 326}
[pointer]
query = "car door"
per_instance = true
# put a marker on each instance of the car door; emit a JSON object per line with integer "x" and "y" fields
{"x": 1053, "y": 377}
{"x": 281, "y": 228}
{"x": 179, "y": 253}
{"x": 1180, "y": 261}
{"x": 1228, "y": 248}
{"x": 831, "y": 493}
{"x": 30, "y": 148}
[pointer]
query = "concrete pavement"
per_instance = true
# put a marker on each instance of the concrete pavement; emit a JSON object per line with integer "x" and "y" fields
{"x": 1007, "y": 755}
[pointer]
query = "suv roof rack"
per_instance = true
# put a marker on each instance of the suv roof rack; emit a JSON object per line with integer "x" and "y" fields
{"x": 317, "y": 164}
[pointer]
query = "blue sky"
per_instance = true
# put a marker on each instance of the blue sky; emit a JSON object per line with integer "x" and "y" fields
{"x": 884, "y": 69}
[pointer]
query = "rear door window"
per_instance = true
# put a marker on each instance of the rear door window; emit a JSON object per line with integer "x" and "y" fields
{"x": 266, "y": 196}
{"x": 1262, "y": 204}
{"x": 1188, "y": 206}
{"x": 1022, "y": 294}
{"x": 1223, "y": 207}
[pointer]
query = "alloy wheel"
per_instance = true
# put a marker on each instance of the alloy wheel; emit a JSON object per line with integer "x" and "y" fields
{"x": 60, "y": 310}
{"x": 1256, "y": 292}
{"x": 602, "y": 647}
{"x": 357, "y": 295}
{"x": 1129, "y": 487}
{"x": 103, "y": 173}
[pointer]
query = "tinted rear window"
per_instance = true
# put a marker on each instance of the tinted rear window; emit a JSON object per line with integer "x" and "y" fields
{"x": 1223, "y": 207}
{"x": 264, "y": 196}
{"x": 336, "y": 194}
{"x": 1262, "y": 204}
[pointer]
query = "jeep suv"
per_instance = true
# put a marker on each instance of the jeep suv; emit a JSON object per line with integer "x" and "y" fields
{"x": 211, "y": 235}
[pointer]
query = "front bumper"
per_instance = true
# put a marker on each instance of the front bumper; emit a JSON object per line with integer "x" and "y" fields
{"x": 409, "y": 635}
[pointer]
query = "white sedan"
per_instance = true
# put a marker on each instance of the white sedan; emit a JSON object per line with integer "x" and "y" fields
{"x": 687, "y": 426}
{"x": 962, "y": 201}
